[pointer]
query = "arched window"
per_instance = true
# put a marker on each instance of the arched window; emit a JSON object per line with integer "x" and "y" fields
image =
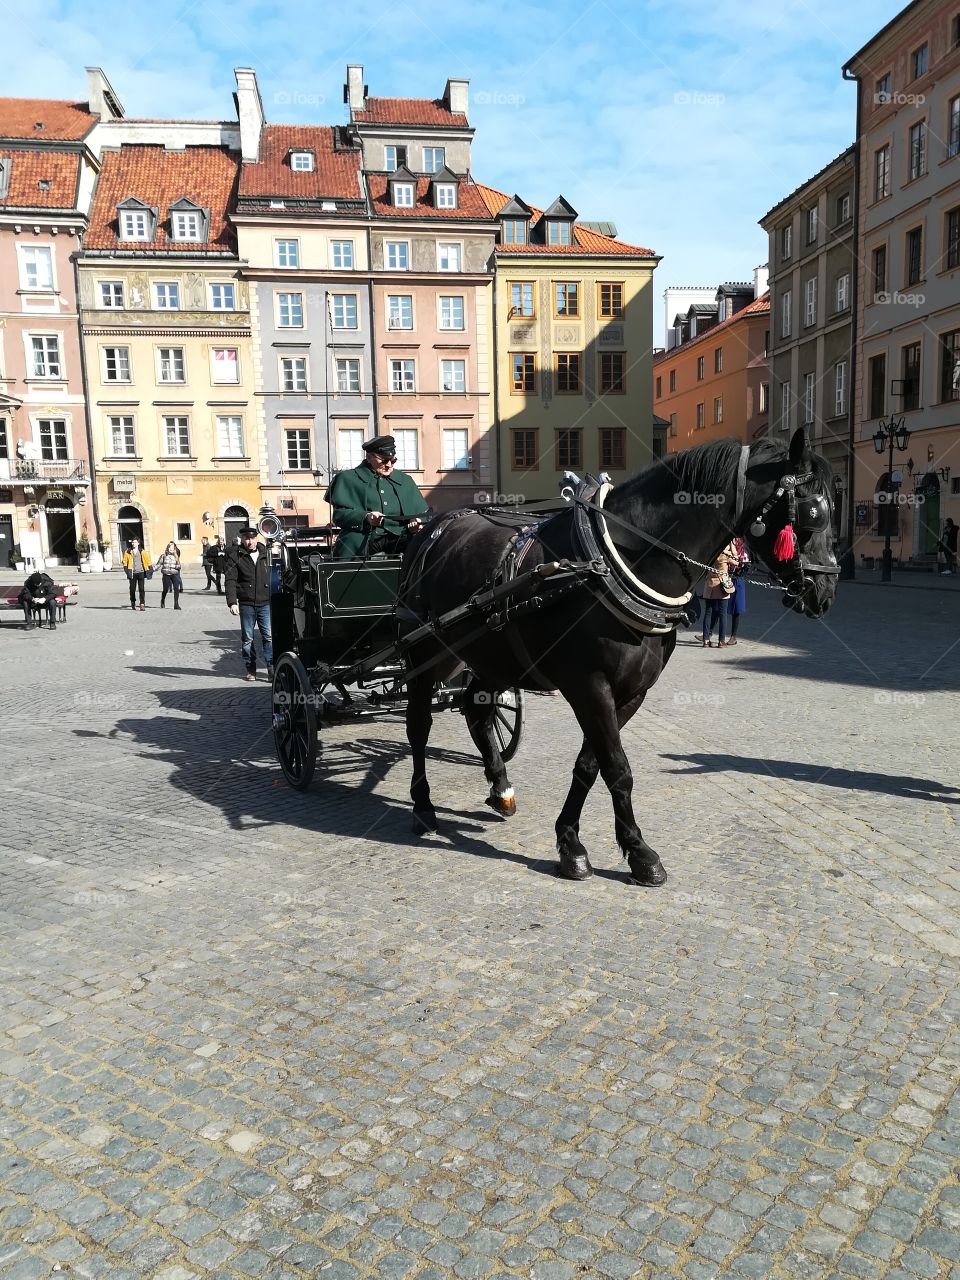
{"x": 234, "y": 519}
{"x": 129, "y": 525}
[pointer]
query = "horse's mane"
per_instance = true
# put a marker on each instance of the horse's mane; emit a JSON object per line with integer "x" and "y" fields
{"x": 710, "y": 468}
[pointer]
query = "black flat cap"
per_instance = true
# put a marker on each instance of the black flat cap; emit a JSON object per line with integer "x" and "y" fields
{"x": 381, "y": 444}
{"x": 249, "y": 532}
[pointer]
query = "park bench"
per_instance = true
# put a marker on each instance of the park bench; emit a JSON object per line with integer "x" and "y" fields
{"x": 66, "y": 595}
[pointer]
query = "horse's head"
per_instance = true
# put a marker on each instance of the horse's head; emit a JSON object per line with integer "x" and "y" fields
{"x": 792, "y": 531}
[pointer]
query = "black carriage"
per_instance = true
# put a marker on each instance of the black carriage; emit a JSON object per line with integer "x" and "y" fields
{"x": 340, "y": 660}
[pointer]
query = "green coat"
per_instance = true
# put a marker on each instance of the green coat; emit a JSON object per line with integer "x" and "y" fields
{"x": 354, "y": 493}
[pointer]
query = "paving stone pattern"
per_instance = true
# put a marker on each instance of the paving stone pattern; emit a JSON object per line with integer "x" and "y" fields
{"x": 248, "y": 1032}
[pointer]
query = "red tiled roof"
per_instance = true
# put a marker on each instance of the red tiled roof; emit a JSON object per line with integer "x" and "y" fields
{"x": 760, "y": 306}
{"x": 409, "y": 111}
{"x": 206, "y": 175}
{"x": 336, "y": 173}
{"x": 470, "y": 203}
{"x": 29, "y": 168}
{"x": 62, "y": 121}
{"x": 586, "y": 242}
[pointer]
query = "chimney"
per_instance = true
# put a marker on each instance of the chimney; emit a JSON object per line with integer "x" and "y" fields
{"x": 101, "y": 99}
{"x": 761, "y": 280}
{"x": 355, "y": 91}
{"x": 457, "y": 96}
{"x": 249, "y": 113}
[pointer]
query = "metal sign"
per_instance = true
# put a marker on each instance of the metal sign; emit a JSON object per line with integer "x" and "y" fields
{"x": 124, "y": 484}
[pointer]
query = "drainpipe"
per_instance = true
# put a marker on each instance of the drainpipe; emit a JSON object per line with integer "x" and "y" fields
{"x": 848, "y": 559}
{"x": 87, "y": 411}
{"x": 497, "y": 443}
{"x": 374, "y": 394}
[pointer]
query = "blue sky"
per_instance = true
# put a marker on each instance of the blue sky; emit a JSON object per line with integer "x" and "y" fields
{"x": 682, "y": 122}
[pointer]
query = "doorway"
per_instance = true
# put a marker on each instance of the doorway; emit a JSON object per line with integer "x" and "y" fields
{"x": 6, "y": 541}
{"x": 234, "y": 519}
{"x": 61, "y": 532}
{"x": 929, "y": 515}
{"x": 129, "y": 525}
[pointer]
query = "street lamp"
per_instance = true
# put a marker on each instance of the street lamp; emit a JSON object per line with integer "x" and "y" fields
{"x": 886, "y": 436}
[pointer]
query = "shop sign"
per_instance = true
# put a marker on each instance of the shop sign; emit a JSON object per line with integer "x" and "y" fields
{"x": 123, "y": 484}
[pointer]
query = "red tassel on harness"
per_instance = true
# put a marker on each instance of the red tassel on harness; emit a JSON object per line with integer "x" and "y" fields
{"x": 785, "y": 547}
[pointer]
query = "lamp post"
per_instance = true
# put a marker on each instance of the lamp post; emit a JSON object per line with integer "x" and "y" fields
{"x": 890, "y": 433}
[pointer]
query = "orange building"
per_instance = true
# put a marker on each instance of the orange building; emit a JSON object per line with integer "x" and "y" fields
{"x": 717, "y": 384}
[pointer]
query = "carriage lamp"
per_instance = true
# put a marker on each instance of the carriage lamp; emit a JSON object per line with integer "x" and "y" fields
{"x": 886, "y": 436}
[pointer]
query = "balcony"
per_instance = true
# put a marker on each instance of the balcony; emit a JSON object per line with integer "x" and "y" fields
{"x": 49, "y": 470}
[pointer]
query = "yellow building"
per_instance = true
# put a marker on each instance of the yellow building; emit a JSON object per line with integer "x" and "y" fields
{"x": 165, "y": 323}
{"x": 573, "y": 337}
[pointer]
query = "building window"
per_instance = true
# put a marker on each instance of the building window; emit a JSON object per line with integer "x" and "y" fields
{"x": 46, "y": 355}
{"x": 122, "y": 443}
{"x": 348, "y": 375}
{"x": 398, "y": 255}
{"x": 36, "y": 266}
{"x": 521, "y": 299}
{"x": 786, "y": 313}
{"x": 611, "y": 373}
{"x": 4, "y": 439}
{"x": 566, "y": 299}
{"x": 176, "y": 437}
{"x": 843, "y": 209}
{"x": 810, "y": 302}
{"x": 453, "y": 375}
{"x": 166, "y": 296}
{"x": 764, "y": 405}
{"x": 448, "y": 257}
{"x": 451, "y": 312}
{"x": 116, "y": 364}
{"x": 293, "y": 373}
{"x": 701, "y": 368}
{"x": 301, "y": 161}
{"x": 111, "y": 294}
{"x": 881, "y": 94}
{"x": 344, "y": 310}
{"x": 673, "y": 379}
{"x": 673, "y": 426}
{"x": 514, "y": 231}
{"x": 223, "y": 297}
{"x": 402, "y": 375}
{"x": 953, "y": 127}
{"x": 184, "y": 531}
{"x": 569, "y": 449}
{"x": 286, "y": 253}
{"x": 813, "y": 221}
{"x": 613, "y": 448}
{"x": 568, "y": 373}
{"x": 523, "y": 372}
{"x": 950, "y": 366}
{"x": 289, "y": 310}
{"x": 842, "y": 292}
{"x": 394, "y": 158}
{"x": 525, "y": 450}
{"x": 341, "y": 254}
{"x": 403, "y": 195}
{"x": 350, "y": 448}
{"x": 877, "y": 380}
{"x": 611, "y": 301}
{"x": 718, "y": 410}
{"x": 918, "y": 150}
{"x": 718, "y": 360}
{"x": 53, "y": 439}
{"x": 224, "y": 365}
{"x": 229, "y": 436}
{"x": 185, "y": 226}
{"x": 434, "y": 158}
{"x": 840, "y": 388}
{"x": 786, "y": 243}
{"x": 455, "y": 451}
{"x": 558, "y": 231}
{"x": 809, "y": 391}
{"x": 879, "y": 271}
{"x": 658, "y": 392}
{"x": 701, "y": 416}
{"x": 399, "y": 311}
{"x": 784, "y": 405}
{"x": 918, "y": 62}
{"x": 911, "y": 376}
{"x": 881, "y": 173}
{"x": 298, "y": 449}
{"x": 914, "y": 255}
{"x": 135, "y": 224}
{"x": 170, "y": 364}
{"x": 445, "y": 195}
{"x": 408, "y": 448}
{"x": 952, "y": 237}
{"x": 955, "y": 44}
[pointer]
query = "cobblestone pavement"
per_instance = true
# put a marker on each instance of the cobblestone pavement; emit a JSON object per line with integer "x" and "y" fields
{"x": 247, "y": 1032}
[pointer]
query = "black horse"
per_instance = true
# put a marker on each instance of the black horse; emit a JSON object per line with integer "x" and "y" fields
{"x": 663, "y": 523}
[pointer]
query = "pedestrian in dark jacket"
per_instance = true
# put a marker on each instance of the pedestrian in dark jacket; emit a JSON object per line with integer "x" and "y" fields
{"x": 205, "y": 561}
{"x": 948, "y": 546}
{"x": 39, "y": 587}
{"x": 248, "y": 598}
{"x": 215, "y": 559}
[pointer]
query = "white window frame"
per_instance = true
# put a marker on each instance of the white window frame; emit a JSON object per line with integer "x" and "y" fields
{"x": 786, "y": 242}
{"x": 286, "y": 241}
{"x": 51, "y": 344}
{"x": 59, "y": 433}
{"x": 349, "y": 447}
{"x": 162, "y": 289}
{"x": 135, "y": 221}
{"x": 786, "y": 313}
{"x": 399, "y": 311}
{"x": 809, "y": 396}
{"x": 224, "y": 382}
{"x": 289, "y": 308}
{"x": 917, "y": 155}
{"x": 112, "y": 286}
{"x": 442, "y": 316}
{"x": 223, "y": 284}
{"x": 810, "y": 302}
{"x": 391, "y": 157}
{"x": 26, "y": 259}
{"x": 453, "y": 371}
{"x": 813, "y": 224}
{"x": 336, "y": 251}
{"x": 161, "y": 380}
{"x": 339, "y": 310}
{"x": 784, "y": 405}
{"x": 446, "y": 195}
{"x": 403, "y": 371}
{"x": 404, "y": 195}
{"x": 293, "y": 369}
{"x": 455, "y": 452}
{"x": 430, "y": 161}
{"x": 842, "y": 297}
{"x": 344, "y": 368}
{"x": 301, "y": 161}
{"x": 402, "y": 248}
{"x": 443, "y": 249}
{"x": 186, "y": 226}
{"x": 300, "y": 431}
{"x": 840, "y": 388}
{"x": 181, "y": 425}
{"x": 408, "y": 448}
{"x": 124, "y": 360}
{"x": 225, "y": 424}
{"x": 126, "y": 423}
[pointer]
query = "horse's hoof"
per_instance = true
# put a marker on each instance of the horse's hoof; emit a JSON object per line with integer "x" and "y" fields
{"x": 424, "y": 822}
{"x": 648, "y": 875}
{"x": 505, "y": 805}
{"x": 575, "y": 868}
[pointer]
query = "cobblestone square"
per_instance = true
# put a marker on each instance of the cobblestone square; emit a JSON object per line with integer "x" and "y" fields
{"x": 249, "y": 1032}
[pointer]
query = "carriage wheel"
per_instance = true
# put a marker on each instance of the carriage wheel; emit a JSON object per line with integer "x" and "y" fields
{"x": 507, "y": 722}
{"x": 294, "y": 721}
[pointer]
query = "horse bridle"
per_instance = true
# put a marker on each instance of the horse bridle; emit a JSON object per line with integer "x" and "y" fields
{"x": 807, "y": 514}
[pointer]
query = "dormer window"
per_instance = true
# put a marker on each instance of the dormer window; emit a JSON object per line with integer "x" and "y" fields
{"x": 136, "y": 224}
{"x": 514, "y": 231}
{"x": 186, "y": 226}
{"x": 188, "y": 222}
{"x": 558, "y": 231}
{"x": 394, "y": 158}
{"x": 4, "y": 178}
{"x": 445, "y": 195}
{"x": 301, "y": 161}
{"x": 403, "y": 195}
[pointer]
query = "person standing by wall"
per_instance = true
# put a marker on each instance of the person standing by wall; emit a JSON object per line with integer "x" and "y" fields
{"x": 138, "y": 567}
{"x": 205, "y": 561}
{"x": 248, "y": 598}
{"x": 217, "y": 562}
{"x": 169, "y": 566}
